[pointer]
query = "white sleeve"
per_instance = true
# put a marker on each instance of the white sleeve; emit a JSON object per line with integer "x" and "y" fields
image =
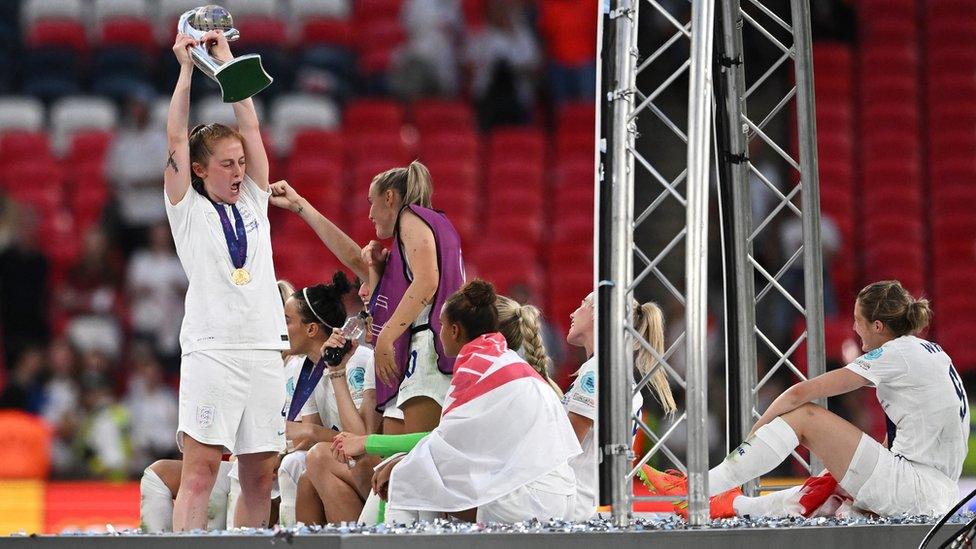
{"x": 261, "y": 198}
{"x": 582, "y": 397}
{"x": 882, "y": 365}
{"x": 179, "y": 215}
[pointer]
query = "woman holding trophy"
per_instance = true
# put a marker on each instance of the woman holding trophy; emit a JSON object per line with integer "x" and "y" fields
{"x": 217, "y": 195}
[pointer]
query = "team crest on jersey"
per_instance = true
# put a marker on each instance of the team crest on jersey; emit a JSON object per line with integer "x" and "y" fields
{"x": 205, "y": 415}
{"x": 588, "y": 383}
{"x": 357, "y": 378}
{"x": 874, "y": 354}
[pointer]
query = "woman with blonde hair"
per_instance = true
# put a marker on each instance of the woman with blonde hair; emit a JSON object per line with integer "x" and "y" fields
{"x": 914, "y": 471}
{"x": 581, "y": 399}
{"x": 414, "y": 278}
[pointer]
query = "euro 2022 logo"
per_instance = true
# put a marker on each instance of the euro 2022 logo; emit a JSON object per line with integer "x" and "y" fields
{"x": 588, "y": 383}
{"x": 357, "y": 378}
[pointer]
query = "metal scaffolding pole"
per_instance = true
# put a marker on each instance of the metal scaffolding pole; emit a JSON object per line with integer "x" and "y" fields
{"x": 696, "y": 258}
{"x": 810, "y": 194}
{"x": 789, "y": 35}
{"x": 614, "y": 355}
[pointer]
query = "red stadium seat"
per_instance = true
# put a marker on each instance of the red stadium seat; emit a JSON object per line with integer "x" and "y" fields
{"x": 37, "y": 182}
{"x": 373, "y": 115}
{"x": 321, "y": 182}
{"x": 130, "y": 32}
{"x": 89, "y": 146}
{"x": 321, "y": 144}
{"x": 506, "y": 176}
{"x": 22, "y": 145}
{"x": 257, "y": 30}
{"x": 326, "y": 31}
{"x": 577, "y": 118}
{"x": 575, "y": 147}
{"x": 385, "y": 146}
{"x": 523, "y": 144}
{"x": 443, "y": 116}
{"x": 371, "y": 10}
{"x": 449, "y": 146}
{"x": 514, "y": 201}
{"x": 515, "y": 228}
{"x": 58, "y": 33}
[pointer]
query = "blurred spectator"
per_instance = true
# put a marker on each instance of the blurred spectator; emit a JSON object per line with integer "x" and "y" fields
{"x": 830, "y": 241}
{"x": 153, "y": 409}
{"x": 134, "y": 168}
{"x": 94, "y": 361}
{"x": 24, "y": 390}
{"x": 61, "y": 401}
{"x": 101, "y": 444}
{"x": 503, "y": 57}
{"x": 92, "y": 298}
{"x": 156, "y": 286}
{"x": 568, "y": 29}
{"x": 23, "y": 280}
{"x": 427, "y": 63}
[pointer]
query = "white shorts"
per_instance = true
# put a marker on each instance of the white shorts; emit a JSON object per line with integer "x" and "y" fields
{"x": 888, "y": 484}
{"x": 233, "y": 399}
{"x": 551, "y": 497}
{"x": 422, "y": 378}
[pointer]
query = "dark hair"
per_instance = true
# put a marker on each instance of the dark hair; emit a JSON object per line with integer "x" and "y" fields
{"x": 891, "y": 303}
{"x": 202, "y": 140}
{"x": 412, "y": 183}
{"x": 473, "y": 307}
{"x": 324, "y": 305}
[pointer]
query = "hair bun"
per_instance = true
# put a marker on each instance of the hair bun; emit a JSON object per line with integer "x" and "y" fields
{"x": 340, "y": 284}
{"x": 479, "y": 293}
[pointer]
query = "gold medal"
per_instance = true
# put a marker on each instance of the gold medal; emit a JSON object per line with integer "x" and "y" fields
{"x": 240, "y": 276}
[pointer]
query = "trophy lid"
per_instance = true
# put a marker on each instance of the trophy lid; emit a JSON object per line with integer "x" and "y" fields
{"x": 212, "y": 17}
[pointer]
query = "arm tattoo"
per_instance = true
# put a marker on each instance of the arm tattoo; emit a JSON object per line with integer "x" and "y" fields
{"x": 170, "y": 163}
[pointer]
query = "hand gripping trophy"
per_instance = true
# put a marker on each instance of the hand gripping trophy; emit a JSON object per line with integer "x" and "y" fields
{"x": 239, "y": 78}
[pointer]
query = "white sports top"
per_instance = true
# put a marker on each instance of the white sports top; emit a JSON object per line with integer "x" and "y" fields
{"x": 359, "y": 377}
{"x": 582, "y": 398}
{"x": 922, "y": 395}
{"x": 220, "y": 314}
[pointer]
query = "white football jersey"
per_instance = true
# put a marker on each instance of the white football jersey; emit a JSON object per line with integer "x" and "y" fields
{"x": 924, "y": 399}
{"x": 323, "y": 402}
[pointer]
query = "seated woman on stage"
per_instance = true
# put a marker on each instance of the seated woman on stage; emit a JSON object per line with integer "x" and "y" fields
{"x": 501, "y": 450}
{"x": 915, "y": 471}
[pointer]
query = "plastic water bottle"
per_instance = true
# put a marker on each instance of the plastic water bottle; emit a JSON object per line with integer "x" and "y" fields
{"x": 352, "y": 329}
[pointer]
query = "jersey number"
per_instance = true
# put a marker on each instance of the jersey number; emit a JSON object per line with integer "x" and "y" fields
{"x": 960, "y": 392}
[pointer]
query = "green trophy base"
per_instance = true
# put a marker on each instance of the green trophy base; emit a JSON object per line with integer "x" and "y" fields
{"x": 242, "y": 78}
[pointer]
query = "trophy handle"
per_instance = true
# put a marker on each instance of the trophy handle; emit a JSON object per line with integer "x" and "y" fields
{"x": 241, "y": 78}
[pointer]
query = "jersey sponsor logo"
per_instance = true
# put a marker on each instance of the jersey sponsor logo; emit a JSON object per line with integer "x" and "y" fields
{"x": 582, "y": 399}
{"x": 290, "y": 386}
{"x": 205, "y": 415}
{"x": 874, "y": 354}
{"x": 588, "y": 383}
{"x": 357, "y": 378}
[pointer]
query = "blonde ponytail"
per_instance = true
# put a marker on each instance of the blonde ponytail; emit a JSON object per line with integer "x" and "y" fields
{"x": 649, "y": 322}
{"x": 412, "y": 183}
{"x": 521, "y": 326}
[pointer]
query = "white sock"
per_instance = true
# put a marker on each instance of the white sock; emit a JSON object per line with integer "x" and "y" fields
{"x": 771, "y": 444}
{"x": 289, "y": 493}
{"x": 217, "y": 506}
{"x": 777, "y": 504}
{"x": 292, "y": 468}
{"x": 155, "y": 504}
{"x": 371, "y": 510}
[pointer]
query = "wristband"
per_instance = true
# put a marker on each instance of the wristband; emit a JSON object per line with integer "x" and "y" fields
{"x": 336, "y": 374}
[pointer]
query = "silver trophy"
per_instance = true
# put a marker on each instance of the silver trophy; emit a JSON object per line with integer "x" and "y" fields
{"x": 239, "y": 78}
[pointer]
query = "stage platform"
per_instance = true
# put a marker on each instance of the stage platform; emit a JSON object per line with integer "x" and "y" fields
{"x": 864, "y": 536}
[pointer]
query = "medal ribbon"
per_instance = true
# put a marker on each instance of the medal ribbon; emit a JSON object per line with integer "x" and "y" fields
{"x": 309, "y": 377}
{"x": 236, "y": 244}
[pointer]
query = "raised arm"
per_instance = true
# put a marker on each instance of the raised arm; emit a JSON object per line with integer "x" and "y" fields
{"x": 338, "y": 242}
{"x": 176, "y": 174}
{"x": 255, "y": 157}
{"x": 254, "y": 154}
